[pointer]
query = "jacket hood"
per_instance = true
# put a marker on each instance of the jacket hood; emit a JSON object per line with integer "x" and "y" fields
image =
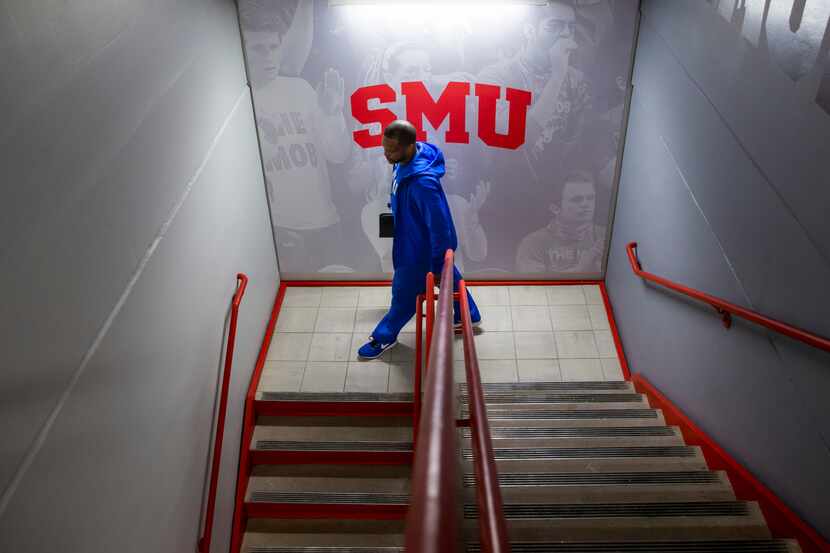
{"x": 428, "y": 160}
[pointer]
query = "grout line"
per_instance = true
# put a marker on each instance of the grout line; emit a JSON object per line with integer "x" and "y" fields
{"x": 40, "y": 439}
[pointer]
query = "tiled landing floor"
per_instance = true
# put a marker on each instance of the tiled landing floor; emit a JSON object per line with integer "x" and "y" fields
{"x": 547, "y": 333}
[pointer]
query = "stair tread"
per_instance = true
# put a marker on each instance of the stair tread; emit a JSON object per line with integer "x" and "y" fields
{"x": 267, "y": 542}
{"x": 336, "y": 396}
{"x": 593, "y": 386}
{"x": 329, "y": 498}
{"x": 621, "y": 510}
{"x": 326, "y": 484}
{"x": 333, "y": 433}
{"x": 286, "y": 445}
{"x": 678, "y": 546}
{"x": 588, "y": 452}
{"x": 603, "y": 478}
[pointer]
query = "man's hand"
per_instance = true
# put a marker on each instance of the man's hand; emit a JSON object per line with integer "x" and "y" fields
{"x": 478, "y": 198}
{"x": 330, "y": 92}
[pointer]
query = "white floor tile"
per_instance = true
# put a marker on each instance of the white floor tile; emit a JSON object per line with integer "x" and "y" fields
{"x": 375, "y": 296}
{"x": 324, "y": 377}
{"x": 578, "y": 344}
{"x": 337, "y": 296}
{"x": 535, "y": 345}
{"x": 405, "y": 348}
{"x": 531, "y": 317}
{"x": 570, "y": 317}
{"x": 493, "y": 345}
{"x": 289, "y": 347}
{"x": 565, "y": 295}
{"x": 495, "y": 318}
{"x": 612, "y": 369}
{"x": 335, "y": 319}
{"x": 528, "y": 295}
{"x": 539, "y": 370}
{"x": 593, "y": 295}
{"x": 296, "y": 319}
{"x": 282, "y": 376}
{"x": 581, "y": 369}
{"x": 605, "y": 343}
{"x": 401, "y": 377}
{"x": 599, "y": 318}
{"x": 490, "y": 295}
{"x": 330, "y": 347}
{"x": 301, "y": 297}
{"x": 367, "y": 377}
{"x": 498, "y": 370}
{"x": 366, "y": 319}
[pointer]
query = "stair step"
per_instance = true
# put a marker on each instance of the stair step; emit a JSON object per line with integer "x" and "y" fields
{"x": 519, "y": 437}
{"x": 325, "y": 484}
{"x": 549, "y": 397}
{"x": 333, "y": 433}
{"x": 586, "y": 452}
{"x": 339, "y": 397}
{"x": 593, "y": 386}
{"x": 610, "y": 487}
{"x": 262, "y": 542}
{"x": 329, "y": 498}
{"x": 283, "y": 445}
{"x": 382, "y": 527}
{"x": 544, "y": 417}
{"x": 709, "y": 546}
{"x": 695, "y": 520}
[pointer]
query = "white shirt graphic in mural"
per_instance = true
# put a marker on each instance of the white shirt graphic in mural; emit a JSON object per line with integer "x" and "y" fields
{"x": 295, "y": 153}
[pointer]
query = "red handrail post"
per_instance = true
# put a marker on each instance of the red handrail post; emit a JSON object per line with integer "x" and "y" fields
{"x": 726, "y": 309}
{"x": 416, "y": 377}
{"x": 204, "y": 541}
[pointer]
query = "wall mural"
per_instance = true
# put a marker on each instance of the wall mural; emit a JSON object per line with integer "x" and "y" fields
{"x": 526, "y": 102}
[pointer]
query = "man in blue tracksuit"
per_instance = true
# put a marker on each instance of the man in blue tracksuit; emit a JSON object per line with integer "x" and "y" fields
{"x": 424, "y": 231}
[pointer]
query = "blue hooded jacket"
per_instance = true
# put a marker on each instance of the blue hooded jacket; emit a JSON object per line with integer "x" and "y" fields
{"x": 424, "y": 229}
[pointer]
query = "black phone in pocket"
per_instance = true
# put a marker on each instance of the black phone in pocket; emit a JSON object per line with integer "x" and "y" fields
{"x": 386, "y": 224}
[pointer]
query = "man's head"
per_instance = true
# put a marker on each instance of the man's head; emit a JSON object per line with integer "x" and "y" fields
{"x": 558, "y": 23}
{"x": 264, "y": 23}
{"x": 574, "y": 200}
{"x": 399, "y": 141}
{"x": 405, "y": 62}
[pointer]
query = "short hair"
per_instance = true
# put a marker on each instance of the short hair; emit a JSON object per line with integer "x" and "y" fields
{"x": 266, "y": 15}
{"x": 573, "y": 176}
{"x": 401, "y": 130}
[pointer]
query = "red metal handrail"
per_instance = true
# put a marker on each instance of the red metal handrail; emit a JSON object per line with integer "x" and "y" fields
{"x": 204, "y": 541}
{"x": 727, "y": 309}
{"x": 433, "y": 517}
{"x": 492, "y": 526}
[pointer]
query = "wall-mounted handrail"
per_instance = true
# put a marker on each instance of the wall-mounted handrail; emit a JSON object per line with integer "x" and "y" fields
{"x": 492, "y": 526}
{"x": 204, "y": 541}
{"x": 433, "y": 518}
{"x": 726, "y": 309}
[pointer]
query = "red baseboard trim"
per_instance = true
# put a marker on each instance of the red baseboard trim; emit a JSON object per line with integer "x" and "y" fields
{"x": 782, "y": 521}
{"x": 615, "y": 333}
{"x": 248, "y": 424}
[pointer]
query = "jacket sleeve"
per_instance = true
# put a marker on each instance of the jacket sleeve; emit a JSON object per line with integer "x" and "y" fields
{"x": 431, "y": 204}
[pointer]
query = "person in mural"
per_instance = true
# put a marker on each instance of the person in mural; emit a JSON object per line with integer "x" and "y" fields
{"x": 572, "y": 242}
{"x": 369, "y": 174}
{"x": 301, "y": 131}
{"x": 424, "y": 231}
{"x": 560, "y": 103}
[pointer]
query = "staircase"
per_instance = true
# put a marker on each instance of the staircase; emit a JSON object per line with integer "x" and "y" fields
{"x": 583, "y": 467}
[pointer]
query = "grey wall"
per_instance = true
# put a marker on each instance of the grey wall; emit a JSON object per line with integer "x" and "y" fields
{"x": 724, "y": 186}
{"x": 132, "y": 194}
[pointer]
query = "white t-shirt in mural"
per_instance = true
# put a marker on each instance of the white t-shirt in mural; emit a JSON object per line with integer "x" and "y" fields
{"x": 297, "y": 141}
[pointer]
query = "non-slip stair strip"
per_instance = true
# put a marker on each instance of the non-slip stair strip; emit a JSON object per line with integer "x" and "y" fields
{"x": 558, "y": 398}
{"x": 282, "y": 445}
{"x": 550, "y": 386}
{"x": 619, "y": 510}
{"x": 714, "y": 546}
{"x": 322, "y": 549}
{"x": 600, "y": 479}
{"x": 586, "y": 414}
{"x": 586, "y": 452}
{"x": 588, "y": 432}
{"x": 329, "y": 498}
{"x": 336, "y": 397}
